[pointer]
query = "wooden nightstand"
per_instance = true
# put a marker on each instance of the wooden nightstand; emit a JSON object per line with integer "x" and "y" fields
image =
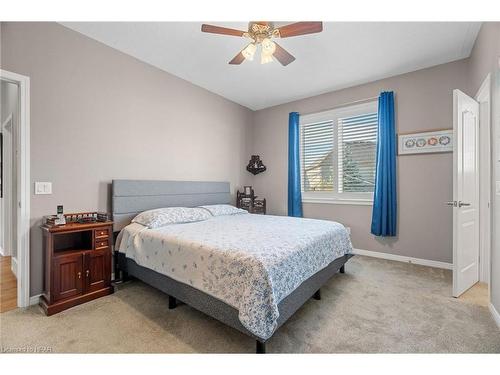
{"x": 250, "y": 202}
{"x": 77, "y": 264}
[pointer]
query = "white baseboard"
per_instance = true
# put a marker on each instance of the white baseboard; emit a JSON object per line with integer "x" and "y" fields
{"x": 496, "y": 315}
{"x": 34, "y": 300}
{"x": 401, "y": 258}
{"x": 13, "y": 266}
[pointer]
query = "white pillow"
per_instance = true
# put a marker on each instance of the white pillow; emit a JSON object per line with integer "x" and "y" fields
{"x": 170, "y": 215}
{"x": 223, "y": 209}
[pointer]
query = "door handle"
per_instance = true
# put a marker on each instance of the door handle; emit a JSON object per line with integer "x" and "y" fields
{"x": 460, "y": 204}
{"x": 452, "y": 203}
{"x": 79, "y": 275}
{"x": 87, "y": 273}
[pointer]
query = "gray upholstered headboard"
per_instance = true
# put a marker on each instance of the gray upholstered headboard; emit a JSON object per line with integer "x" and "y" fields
{"x": 130, "y": 197}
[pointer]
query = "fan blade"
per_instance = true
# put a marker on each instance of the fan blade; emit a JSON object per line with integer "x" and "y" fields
{"x": 300, "y": 28}
{"x": 238, "y": 59}
{"x": 282, "y": 55}
{"x": 221, "y": 30}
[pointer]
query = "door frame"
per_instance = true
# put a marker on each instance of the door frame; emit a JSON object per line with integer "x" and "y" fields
{"x": 23, "y": 189}
{"x": 483, "y": 97}
{"x": 6, "y": 209}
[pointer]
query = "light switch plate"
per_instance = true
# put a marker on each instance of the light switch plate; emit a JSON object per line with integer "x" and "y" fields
{"x": 43, "y": 188}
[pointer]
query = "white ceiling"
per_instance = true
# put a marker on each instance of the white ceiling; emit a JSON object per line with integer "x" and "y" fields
{"x": 344, "y": 54}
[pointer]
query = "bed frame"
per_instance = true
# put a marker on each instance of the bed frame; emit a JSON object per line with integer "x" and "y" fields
{"x": 130, "y": 197}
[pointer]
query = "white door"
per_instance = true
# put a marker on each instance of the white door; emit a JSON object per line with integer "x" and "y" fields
{"x": 465, "y": 192}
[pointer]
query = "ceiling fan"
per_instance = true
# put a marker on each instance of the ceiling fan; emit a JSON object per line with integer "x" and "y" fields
{"x": 261, "y": 33}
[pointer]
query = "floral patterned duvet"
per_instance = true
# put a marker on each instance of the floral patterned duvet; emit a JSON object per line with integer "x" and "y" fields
{"x": 250, "y": 262}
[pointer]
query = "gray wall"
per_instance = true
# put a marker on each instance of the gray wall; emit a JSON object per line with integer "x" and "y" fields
{"x": 98, "y": 114}
{"x": 484, "y": 59}
{"x": 423, "y": 102}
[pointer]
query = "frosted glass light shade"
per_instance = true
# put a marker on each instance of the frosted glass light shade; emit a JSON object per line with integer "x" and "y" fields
{"x": 249, "y": 51}
{"x": 268, "y": 46}
{"x": 265, "y": 58}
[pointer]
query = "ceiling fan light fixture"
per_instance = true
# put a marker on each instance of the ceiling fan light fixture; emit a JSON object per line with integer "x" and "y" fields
{"x": 266, "y": 58}
{"x": 261, "y": 32}
{"x": 249, "y": 51}
{"x": 268, "y": 46}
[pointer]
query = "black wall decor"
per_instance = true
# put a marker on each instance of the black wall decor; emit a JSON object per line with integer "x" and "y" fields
{"x": 255, "y": 165}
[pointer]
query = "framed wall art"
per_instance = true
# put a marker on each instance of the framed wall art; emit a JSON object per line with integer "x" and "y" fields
{"x": 427, "y": 142}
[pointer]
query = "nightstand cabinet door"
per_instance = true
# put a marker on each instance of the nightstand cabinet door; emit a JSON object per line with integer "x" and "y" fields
{"x": 97, "y": 269}
{"x": 67, "y": 276}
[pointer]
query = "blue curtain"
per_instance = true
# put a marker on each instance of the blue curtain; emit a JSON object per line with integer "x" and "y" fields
{"x": 294, "y": 193}
{"x": 384, "y": 200}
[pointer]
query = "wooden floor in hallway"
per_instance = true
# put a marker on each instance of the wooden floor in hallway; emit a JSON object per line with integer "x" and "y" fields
{"x": 8, "y": 285}
{"x": 478, "y": 295}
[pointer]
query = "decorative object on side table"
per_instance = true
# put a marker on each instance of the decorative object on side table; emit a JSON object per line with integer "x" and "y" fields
{"x": 424, "y": 143}
{"x": 80, "y": 217}
{"x": 247, "y": 200}
{"x": 259, "y": 206}
{"x": 255, "y": 165}
{"x": 77, "y": 261}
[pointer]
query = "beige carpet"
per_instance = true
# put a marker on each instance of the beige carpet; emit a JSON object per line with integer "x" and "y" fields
{"x": 376, "y": 306}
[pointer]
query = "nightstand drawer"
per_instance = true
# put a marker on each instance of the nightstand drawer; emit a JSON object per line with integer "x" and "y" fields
{"x": 101, "y": 244}
{"x": 101, "y": 233}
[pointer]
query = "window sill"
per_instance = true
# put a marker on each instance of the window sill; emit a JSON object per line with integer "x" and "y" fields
{"x": 356, "y": 202}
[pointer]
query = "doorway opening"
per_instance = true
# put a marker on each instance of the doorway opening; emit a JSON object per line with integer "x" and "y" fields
{"x": 9, "y": 119}
{"x": 14, "y": 190}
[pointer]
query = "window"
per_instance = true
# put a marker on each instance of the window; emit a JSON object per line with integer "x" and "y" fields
{"x": 338, "y": 151}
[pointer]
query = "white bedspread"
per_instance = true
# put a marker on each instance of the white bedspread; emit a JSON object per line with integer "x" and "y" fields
{"x": 250, "y": 262}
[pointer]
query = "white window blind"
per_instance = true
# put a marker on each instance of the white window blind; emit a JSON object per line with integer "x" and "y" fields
{"x": 318, "y": 143}
{"x": 338, "y": 151}
{"x": 358, "y": 144}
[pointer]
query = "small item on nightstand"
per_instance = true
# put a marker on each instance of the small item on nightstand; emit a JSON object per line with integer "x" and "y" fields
{"x": 247, "y": 190}
{"x": 259, "y": 206}
{"x": 79, "y": 217}
{"x": 49, "y": 220}
{"x": 60, "y": 220}
{"x": 86, "y": 218}
{"x": 247, "y": 200}
{"x": 102, "y": 216}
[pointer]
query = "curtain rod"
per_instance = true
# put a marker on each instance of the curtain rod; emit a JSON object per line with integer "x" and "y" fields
{"x": 340, "y": 106}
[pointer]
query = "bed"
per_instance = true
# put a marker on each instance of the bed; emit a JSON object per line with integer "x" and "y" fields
{"x": 251, "y": 272}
